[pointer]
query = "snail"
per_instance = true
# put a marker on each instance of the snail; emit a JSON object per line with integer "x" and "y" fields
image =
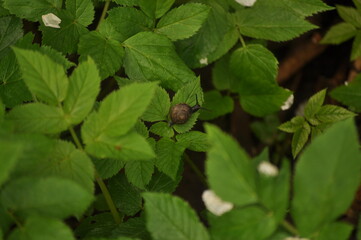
{"x": 180, "y": 113}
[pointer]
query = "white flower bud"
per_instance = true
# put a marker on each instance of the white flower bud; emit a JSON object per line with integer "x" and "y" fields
{"x": 214, "y": 204}
{"x": 296, "y": 238}
{"x": 267, "y": 169}
{"x": 288, "y": 103}
{"x": 51, "y": 20}
{"x": 203, "y": 61}
{"x": 247, "y": 3}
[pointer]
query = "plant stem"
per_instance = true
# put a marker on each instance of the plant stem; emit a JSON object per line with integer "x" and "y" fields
{"x": 105, "y": 10}
{"x": 103, "y": 187}
{"x": 289, "y": 227}
{"x": 13, "y": 217}
{"x": 242, "y": 40}
{"x": 196, "y": 170}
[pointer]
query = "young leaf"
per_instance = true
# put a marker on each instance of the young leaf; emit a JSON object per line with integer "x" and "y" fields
{"x": 356, "y": 46}
{"x": 82, "y": 10}
{"x": 107, "y": 53}
{"x": 314, "y": 104}
{"x": 38, "y": 118}
{"x": 152, "y": 57}
{"x": 329, "y": 165}
{"x": 183, "y": 22}
{"x": 9, "y": 154}
{"x": 335, "y": 231}
{"x": 170, "y": 216}
{"x": 157, "y": 8}
{"x": 107, "y": 168}
{"x": 228, "y": 163}
{"x": 162, "y": 129}
{"x": 48, "y": 197}
{"x": 215, "y": 105}
{"x": 139, "y": 173}
{"x": 169, "y": 155}
{"x": 42, "y": 228}
{"x": 349, "y": 15}
{"x": 300, "y": 138}
{"x": 349, "y": 95}
{"x": 246, "y": 223}
{"x": 189, "y": 94}
{"x": 10, "y": 31}
{"x": 123, "y": 17}
{"x": 158, "y": 108}
{"x": 44, "y": 78}
{"x": 293, "y": 125}
{"x": 332, "y": 113}
{"x": 185, "y": 127}
{"x": 160, "y": 182}
{"x": 194, "y": 140}
{"x": 339, "y": 33}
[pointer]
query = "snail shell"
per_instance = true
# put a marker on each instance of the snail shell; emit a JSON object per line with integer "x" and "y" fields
{"x": 180, "y": 113}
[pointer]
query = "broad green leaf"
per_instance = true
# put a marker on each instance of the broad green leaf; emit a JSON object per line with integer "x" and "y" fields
{"x": 44, "y": 78}
{"x": 332, "y": 113}
{"x": 65, "y": 39}
{"x": 256, "y": 22}
{"x": 126, "y": 2}
{"x": 300, "y": 138}
{"x": 38, "y": 118}
{"x": 293, "y": 125}
{"x": 314, "y": 104}
{"x": 142, "y": 129}
{"x": 10, "y": 31}
{"x": 158, "y": 108}
{"x": 155, "y": 8}
{"x": 215, "y": 105}
{"x": 108, "y": 31}
{"x": 329, "y": 165}
{"x": 139, "y": 173}
{"x": 169, "y": 155}
{"x": 2, "y": 111}
{"x": 10, "y": 152}
{"x": 82, "y": 11}
{"x": 133, "y": 227}
{"x": 118, "y": 112}
{"x": 266, "y": 129}
{"x": 123, "y": 17}
{"x": 350, "y": 15}
{"x": 349, "y": 95}
{"x": 34, "y": 9}
{"x": 162, "y": 129}
{"x": 126, "y": 197}
{"x": 152, "y": 57}
{"x": 171, "y": 216}
{"x": 194, "y": 140}
{"x": 228, "y": 163}
{"x": 190, "y": 94}
{"x": 183, "y": 22}
{"x": 339, "y": 33}
{"x": 56, "y": 56}
{"x": 304, "y": 8}
{"x": 280, "y": 235}
{"x": 246, "y": 223}
{"x": 357, "y": 4}
{"x": 99, "y": 225}
{"x": 107, "y": 53}
{"x": 356, "y": 46}
{"x": 185, "y": 127}
{"x": 49, "y": 197}
{"x": 107, "y": 168}
{"x": 3, "y": 11}
{"x": 42, "y": 228}
{"x": 335, "y": 231}
{"x": 160, "y": 182}
{"x": 222, "y": 77}
{"x": 84, "y": 86}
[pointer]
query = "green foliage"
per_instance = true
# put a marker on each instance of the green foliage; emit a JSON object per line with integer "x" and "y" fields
{"x": 215, "y": 105}
{"x": 349, "y": 95}
{"x": 155, "y": 9}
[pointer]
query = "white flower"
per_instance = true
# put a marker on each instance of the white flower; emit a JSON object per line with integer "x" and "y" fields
{"x": 288, "y": 103}
{"x": 267, "y": 169}
{"x": 51, "y": 20}
{"x": 247, "y": 3}
{"x": 296, "y": 238}
{"x": 346, "y": 83}
{"x": 203, "y": 61}
{"x": 214, "y": 204}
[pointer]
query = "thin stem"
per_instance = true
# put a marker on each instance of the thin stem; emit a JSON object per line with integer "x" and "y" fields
{"x": 13, "y": 217}
{"x": 105, "y": 10}
{"x": 196, "y": 170}
{"x": 103, "y": 187}
{"x": 289, "y": 227}
{"x": 242, "y": 40}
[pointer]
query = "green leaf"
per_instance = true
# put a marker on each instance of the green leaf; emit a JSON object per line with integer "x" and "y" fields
{"x": 38, "y": 118}
{"x": 99, "y": 225}
{"x": 183, "y": 22}
{"x": 293, "y": 125}
{"x": 228, "y": 163}
{"x": 134, "y": 227}
{"x": 332, "y": 113}
{"x": 171, "y": 216}
{"x": 44, "y": 78}
{"x": 356, "y": 46}
{"x": 84, "y": 86}
{"x": 142, "y": 129}
{"x": 32, "y": 11}
{"x": 169, "y": 155}
{"x": 305, "y": 8}
{"x": 215, "y": 105}
{"x": 107, "y": 168}
{"x": 82, "y": 11}
{"x": 339, "y": 33}
{"x": 56, "y": 56}
{"x": 162, "y": 129}
{"x": 194, "y": 140}
{"x": 139, "y": 173}
{"x": 359, "y": 230}
{"x": 126, "y": 197}
{"x": 127, "y": 2}
{"x": 107, "y": 53}
{"x": 350, "y": 15}
{"x": 123, "y": 17}
{"x": 300, "y": 138}
{"x": 9, "y": 154}
{"x": 160, "y": 182}
{"x": 335, "y": 231}
{"x": 118, "y": 112}
{"x": 158, "y": 108}
{"x": 247, "y": 223}
{"x": 42, "y": 228}
{"x": 10, "y": 32}
{"x": 350, "y": 94}
{"x": 49, "y": 197}
{"x": 157, "y": 8}
{"x": 152, "y": 57}
{"x": 357, "y": 4}
{"x": 222, "y": 77}
{"x": 314, "y": 104}
{"x": 332, "y": 163}
{"x": 285, "y": 25}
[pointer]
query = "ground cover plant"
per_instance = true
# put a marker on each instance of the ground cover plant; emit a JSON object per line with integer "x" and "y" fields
{"x": 106, "y": 107}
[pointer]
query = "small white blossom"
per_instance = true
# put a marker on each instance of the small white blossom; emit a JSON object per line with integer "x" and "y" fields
{"x": 346, "y": 83}
{"x": 203, "y": 61}
{"x": 247, "y": 3}
{"x": 296, "y": 238}
{"x": 288, "y": 103}
{"x": 51, "y": 20}
{"x": 267, "y": 169}
{"x": 214, "y": 204}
